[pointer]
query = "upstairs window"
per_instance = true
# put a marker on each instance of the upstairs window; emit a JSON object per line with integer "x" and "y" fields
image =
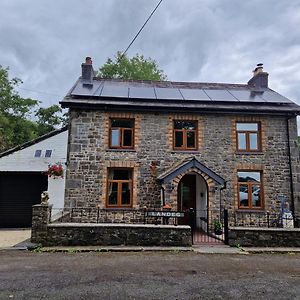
{"x": 185, "y": 135}
{"x": 119, "y": 187}
{"x": 48, "y": 153}
{"x": 250, "y": 189}
{"x": 38, "y": 153}
{"x": 121, "y": 133}
{"x": 248, "y": 137}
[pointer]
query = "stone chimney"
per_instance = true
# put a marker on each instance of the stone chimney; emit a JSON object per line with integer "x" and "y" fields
{"x": 260, "y": 78}
{"x": 87, "y": 69}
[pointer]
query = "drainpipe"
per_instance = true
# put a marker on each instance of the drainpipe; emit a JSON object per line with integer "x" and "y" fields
{"x": 290, "y": 167}
{"x": 163, "y": 196}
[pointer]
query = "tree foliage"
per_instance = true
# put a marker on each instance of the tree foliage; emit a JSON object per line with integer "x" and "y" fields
{"x": 136, "y": 68}
{"x": 21, "y": 119}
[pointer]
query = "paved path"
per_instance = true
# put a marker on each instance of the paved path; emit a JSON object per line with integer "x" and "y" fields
{"x": 13, "y": 237}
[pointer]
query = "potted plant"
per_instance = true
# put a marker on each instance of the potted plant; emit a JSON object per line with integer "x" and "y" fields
{"x": 55, "y": 170}
{"x": 217, "y": 227}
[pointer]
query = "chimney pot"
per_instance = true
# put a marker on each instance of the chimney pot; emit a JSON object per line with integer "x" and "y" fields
{"x": 88, "y": 60}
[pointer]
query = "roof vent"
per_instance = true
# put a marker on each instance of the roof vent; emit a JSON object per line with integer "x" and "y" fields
{"x": 87, "y": 69}
{"x": 260, "y": 78}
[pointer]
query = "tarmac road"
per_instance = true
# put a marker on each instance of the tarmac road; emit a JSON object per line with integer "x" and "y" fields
{"x": 148, "y": 275}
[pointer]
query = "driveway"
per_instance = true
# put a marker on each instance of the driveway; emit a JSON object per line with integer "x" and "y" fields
{"x": 14, "y": 237}
{"x": 144, "y": 275}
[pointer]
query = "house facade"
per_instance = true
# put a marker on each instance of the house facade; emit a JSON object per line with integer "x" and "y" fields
{"x": 206, "y": 146}
{"x": 23, "y": 177}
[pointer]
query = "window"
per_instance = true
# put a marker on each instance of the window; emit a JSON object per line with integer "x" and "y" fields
{"x": 248, "y": 137}
{"x": 185, "y": 135}
{"x": 119, "y": 188}
{"x": 38, "y": 153}
{"x": 121, "y": 133}
{"x": 48, "y": 153}
{"x": 250, "y": 189}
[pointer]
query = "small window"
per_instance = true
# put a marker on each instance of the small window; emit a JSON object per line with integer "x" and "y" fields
{"x": 121, "y": 133}
{"x": 48, "y": 153}
{"x": 185, "y": 135}
{"x": 248, "y": 137}
{"x": 38, "y": 153}
{"x": 119, "y": 188}
{"x": 250, "y": 189}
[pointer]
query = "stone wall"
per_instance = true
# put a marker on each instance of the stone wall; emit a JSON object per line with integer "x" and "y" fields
{"x": 91, "y": 234}
{"x": 80, "y": 234}
{"x": 90, "y": 156}
{"x": 264, "y": 237}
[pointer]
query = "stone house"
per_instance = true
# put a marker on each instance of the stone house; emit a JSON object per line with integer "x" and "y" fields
{"x": 136, "y": 144}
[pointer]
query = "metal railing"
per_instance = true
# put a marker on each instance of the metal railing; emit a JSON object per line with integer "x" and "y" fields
{"x": 259, "y": 219}
{"x": 112, "y": 215}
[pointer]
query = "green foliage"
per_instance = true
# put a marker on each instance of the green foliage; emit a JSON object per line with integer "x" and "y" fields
{"x": 16, "y": 115}
{"x": 298, "y": 141}
{"x": 136, "y": 68}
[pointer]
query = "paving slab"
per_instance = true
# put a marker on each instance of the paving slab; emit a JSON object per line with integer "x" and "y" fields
{"x": 10, "y": 238}
{"x": 271, "y": 249}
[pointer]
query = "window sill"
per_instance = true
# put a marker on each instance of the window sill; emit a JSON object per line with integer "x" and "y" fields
{"x": 250, "y": 210}
{"x": 125, "y": 208}
{"x": 120, "y": 150}
{"x": 249, "y": 152}
{"x": 186, "y": 151}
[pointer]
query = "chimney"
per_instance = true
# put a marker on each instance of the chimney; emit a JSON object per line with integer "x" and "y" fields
{"x": 87, "y": 69}
{"x": 260, "y": 78}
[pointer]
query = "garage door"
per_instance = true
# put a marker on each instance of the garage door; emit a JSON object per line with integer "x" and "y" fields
{"x": 18, "y": 192}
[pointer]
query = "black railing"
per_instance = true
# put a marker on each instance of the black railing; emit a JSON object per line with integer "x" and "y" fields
{"x": 259, "y": 219}
{"x": 125, "y": 216}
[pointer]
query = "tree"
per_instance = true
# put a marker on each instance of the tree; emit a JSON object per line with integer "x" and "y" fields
{"x": 49, "y": 118}
{"x": 136, "y": 68}
{"x": 17, "y": 124}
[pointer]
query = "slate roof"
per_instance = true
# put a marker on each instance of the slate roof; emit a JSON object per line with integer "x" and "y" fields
{"x": 114, "y": 94}
{"x": 33, "y": 142}
{"x": 187, "y": 164}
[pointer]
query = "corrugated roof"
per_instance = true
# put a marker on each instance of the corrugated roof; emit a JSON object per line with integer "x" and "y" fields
{"x": 187, "y": 95}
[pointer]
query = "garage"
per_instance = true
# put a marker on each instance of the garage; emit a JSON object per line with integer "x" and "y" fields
{"x": 18, "y": 192}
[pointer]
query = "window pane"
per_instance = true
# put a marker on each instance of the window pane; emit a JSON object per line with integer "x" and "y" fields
{"x": 253, "y": 141}
{"x": 247, "y": 126}
{"x": 127, "y": 138}
{"x": 189, "y": 125}
{"x": 120, "y": 174}
{"x": 256, "y": 196}
{"x": 249, "y": 176}
{"x": 38, "y": 153}
{"x": 122, "y": 123}
{"x": 178, "y": 139}
{"x": 244, "y": 197}
{"x": 48, "y": 153}
{"x": 190, "y": 139}
{"x": 115, "y": 138}
{"x": 242, "y": 141}
{"x": 113, "y": 193}
{"x": 125, "y": 194}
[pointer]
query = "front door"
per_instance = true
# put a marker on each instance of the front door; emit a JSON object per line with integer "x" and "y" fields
{"x": 186, "y": 197}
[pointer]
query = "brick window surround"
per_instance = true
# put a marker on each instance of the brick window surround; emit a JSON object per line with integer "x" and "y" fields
{"x": 249, "y": 187}
{"x": 121, "y": 133}
{"x": 119, "y": 187}
{"x": 185, "y": 135}
{"x": 248, "y": 136}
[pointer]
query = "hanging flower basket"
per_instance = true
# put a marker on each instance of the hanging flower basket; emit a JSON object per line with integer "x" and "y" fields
{"x": 55, "y": 170}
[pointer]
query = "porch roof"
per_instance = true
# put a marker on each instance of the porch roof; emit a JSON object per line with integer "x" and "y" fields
{"x": 190, "y": 163}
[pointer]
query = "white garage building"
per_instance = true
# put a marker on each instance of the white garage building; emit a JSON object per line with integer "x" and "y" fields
{"x": 23, "y": 177}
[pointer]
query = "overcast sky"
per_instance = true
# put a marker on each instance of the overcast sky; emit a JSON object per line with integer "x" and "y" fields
{"x": 45, "y": 42}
